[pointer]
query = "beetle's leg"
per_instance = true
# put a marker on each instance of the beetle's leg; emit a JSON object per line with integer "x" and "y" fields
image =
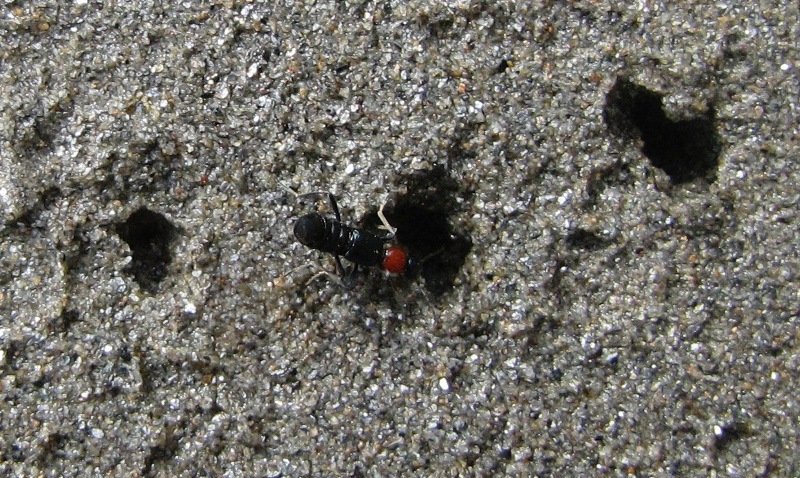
{"x": 339, "y": 267}
{"x": 313, "y": 194}
{"x": 333, "y": 277}
{"x": 348, "y": 281}
{"x": 288, "y": 189}
{"x": 342, "y": 276}
{"x": 315, "y": 276}
{"x": 346, "y": 276}
{"x": 323, "y": 193}
{"x": 386, "y": 225}
{"x": 335, "y": 207}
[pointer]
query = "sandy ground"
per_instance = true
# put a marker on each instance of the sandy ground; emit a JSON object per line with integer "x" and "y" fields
{"x": 602, "y": 199}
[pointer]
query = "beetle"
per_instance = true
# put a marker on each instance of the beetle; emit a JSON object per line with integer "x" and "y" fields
{"x": 359, "y": 246}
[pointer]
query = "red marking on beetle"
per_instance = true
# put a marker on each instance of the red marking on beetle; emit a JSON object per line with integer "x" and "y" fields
{"x": 395, "y": 260}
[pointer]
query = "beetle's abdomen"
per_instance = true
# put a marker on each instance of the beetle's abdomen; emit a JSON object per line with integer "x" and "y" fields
{"x": 365, "y": 249}
{"x": 327, "y": 235}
